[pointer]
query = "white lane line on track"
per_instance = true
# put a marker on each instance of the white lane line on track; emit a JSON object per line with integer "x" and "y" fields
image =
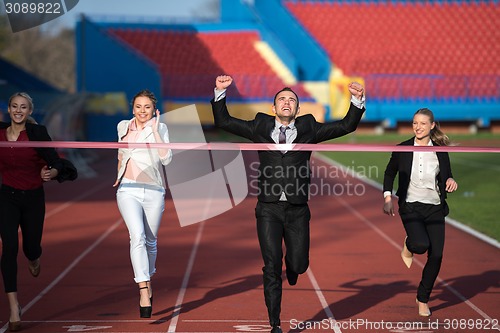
{"x": 182, "y": 292}
{"x": 458, "y": 225}
{"x": 470, "y": 231}
{"x": 56, "y": 210}
{"x": 69, "y": 203}
{"x": 322, "y": 300}
{"x": 398, "y": 246}
{"x": 97, "y": 321}
{"x": 378, "y": 186}
{"x": 78, "y": 198}
{"x": 226, "y": 321}
{"x": 68, "y": 269}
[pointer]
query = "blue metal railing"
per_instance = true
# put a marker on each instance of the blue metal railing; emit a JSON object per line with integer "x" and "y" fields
{"x": 405, "y": 87}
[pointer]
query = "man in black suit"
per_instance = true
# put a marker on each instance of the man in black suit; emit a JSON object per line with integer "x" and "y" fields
{"x": 282, "y": 211}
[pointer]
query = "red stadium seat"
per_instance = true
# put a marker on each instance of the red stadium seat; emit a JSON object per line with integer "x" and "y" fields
{"x": 190, "y": 56}
{"x": 426, "y": 38}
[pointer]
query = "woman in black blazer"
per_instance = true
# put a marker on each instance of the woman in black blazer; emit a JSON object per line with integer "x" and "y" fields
{"x": 22, "y": 199}
{"x": 424, "y": 180}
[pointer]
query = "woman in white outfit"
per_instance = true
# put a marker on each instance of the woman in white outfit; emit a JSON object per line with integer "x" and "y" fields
{"x": 141, "y": 191}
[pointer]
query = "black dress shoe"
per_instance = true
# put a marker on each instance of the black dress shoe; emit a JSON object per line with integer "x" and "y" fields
{"x": 276, "y": 329}
{"x": 292, "y": 277}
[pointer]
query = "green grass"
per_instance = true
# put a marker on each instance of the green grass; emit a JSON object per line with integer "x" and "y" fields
{"x": 477, "y": 199}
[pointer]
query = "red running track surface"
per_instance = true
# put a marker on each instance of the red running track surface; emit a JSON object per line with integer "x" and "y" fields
{"x": 209, "y": 274}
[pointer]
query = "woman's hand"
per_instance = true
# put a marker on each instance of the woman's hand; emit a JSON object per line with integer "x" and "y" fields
{"x": 388, "y": 206}
{"x": 48, "y": 173}
{"x": 451, "y": 185}
{"x": 156, "y": 123}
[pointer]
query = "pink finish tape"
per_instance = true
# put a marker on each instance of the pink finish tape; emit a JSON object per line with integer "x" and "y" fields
{"x": 248, "y": 146}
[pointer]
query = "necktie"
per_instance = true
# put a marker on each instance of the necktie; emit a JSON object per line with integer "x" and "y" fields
{"x": 282, "y": 137}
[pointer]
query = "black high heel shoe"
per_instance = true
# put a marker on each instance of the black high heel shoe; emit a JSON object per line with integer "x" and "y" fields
{"x": 15, "y": 326}
{"x": 145, "y": 311}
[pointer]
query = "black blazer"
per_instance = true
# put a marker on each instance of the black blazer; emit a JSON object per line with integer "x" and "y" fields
{"x": 289, "y": 172}
{"x": 402, "y": 162}
{"x": 66, "y": 169}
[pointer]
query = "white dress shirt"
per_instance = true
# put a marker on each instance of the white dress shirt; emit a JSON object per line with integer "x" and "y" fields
{"x": 423, "y": 185}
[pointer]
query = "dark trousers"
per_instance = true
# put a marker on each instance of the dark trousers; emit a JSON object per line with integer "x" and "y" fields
{"x": 277, "y": 222}
{"x": 425, "y": 228}
{"x": 24, "y": 209}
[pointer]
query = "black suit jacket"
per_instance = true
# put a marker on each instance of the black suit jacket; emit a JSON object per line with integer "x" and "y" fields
{"x": 66, "y": 169}
{"x": 287, "y": 172}
{"x": 402, "y": 162}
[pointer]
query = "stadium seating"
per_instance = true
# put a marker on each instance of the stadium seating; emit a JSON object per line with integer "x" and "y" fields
{"x": 189, "y": 62}
{"x": 431, "y": 49}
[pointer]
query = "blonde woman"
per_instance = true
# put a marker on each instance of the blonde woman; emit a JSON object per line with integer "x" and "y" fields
{"x": 424, "y": 180}
{"x": 22, "y": 197}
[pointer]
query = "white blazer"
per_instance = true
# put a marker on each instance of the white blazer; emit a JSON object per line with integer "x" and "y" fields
{"x": 148, "y": 160}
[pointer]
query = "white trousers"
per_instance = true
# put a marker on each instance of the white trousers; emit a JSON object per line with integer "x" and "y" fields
{"x": 141, "y": 207}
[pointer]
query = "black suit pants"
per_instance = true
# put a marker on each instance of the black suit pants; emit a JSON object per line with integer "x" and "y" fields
{"x": 25, "y": 210}
{"x": 424, "y": 225}
{"x": 279, "y": 222}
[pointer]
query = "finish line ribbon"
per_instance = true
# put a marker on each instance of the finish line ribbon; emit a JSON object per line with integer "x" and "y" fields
{"x": 247, "y": 146}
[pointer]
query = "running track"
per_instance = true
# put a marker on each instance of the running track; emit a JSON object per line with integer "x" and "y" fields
{"x": 209, "y": 274}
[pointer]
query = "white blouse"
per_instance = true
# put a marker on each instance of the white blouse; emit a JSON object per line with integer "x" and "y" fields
{"x": 142, "y": 165}
{"x": 423, "y": 184}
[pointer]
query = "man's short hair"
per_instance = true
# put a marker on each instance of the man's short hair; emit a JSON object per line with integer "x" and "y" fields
{"x": 286, "y": 89}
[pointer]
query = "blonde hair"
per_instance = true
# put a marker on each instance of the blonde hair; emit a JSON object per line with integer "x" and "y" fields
{"x": 24, "y": 95}
{"x": 437, "y": 135}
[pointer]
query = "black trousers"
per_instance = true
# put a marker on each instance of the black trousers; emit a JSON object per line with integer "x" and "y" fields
{"x": 277, "y": 222}
{"x": 25, "y": 210}
{"x": 425, "y": 228}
